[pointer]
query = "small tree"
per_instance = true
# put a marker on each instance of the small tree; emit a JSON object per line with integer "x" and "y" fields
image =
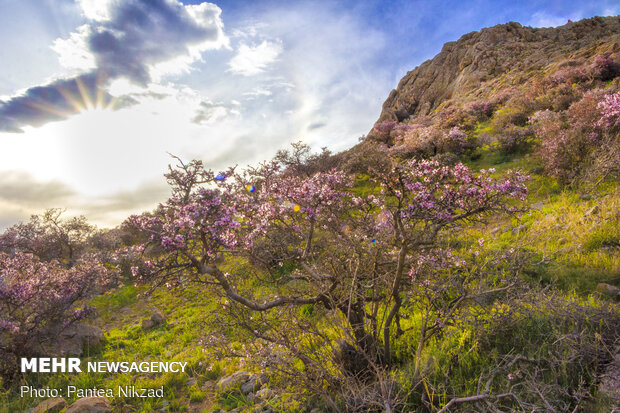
{"x": 38, "y": 300}
{"x": 49, "y": 236}
{"x": 351, "y": 255}
{"x": 582, "y": 141}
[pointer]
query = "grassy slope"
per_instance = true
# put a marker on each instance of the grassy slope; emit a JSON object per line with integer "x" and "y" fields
{"x": 571, "y": 249}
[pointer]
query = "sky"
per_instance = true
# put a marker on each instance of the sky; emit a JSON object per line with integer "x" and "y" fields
{"x": 95, "y": 95}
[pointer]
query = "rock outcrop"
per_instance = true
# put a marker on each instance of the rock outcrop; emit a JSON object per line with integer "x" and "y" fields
{"x": 476, "y": 62}
{"x": 90, "y": 405}
{"x": 72, "y": 340}
{"x": 53, "y": 405}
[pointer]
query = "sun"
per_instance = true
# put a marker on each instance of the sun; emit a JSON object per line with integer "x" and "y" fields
{"x": 77, "y": 97}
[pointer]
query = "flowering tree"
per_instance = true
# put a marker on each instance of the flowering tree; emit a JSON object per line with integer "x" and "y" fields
{"x": 610, "y": 111}
{"x": 48, "y": 236}
{"x": 38, "y": 299}
{"x": 351, "y": 255}
{"x": 584, "y": 139}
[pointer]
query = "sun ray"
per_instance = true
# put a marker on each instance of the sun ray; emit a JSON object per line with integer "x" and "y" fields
{"x": 86, "y": 98}
{"x": 77, "y": 105}
{"x": 101, "y": 100}
{"x": 49, "y": 108}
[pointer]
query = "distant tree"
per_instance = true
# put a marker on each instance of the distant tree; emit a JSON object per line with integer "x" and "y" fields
{"x": 49, "y": 236}
{"x": 584, "y": 140}
{"x": 38, "y": 300}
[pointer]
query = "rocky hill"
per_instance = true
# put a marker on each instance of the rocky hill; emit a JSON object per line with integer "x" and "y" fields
{"x": 480, "y": 64}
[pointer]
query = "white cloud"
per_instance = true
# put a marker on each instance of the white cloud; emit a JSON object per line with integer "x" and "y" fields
{"x": 322, "y": 88}
{"x": 97, "y": 10}
{"x": 140, "y": 41}
{"x": 73, "y": 52}
{"x": 251, "y": 60}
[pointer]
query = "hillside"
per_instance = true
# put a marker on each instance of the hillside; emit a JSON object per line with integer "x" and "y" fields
{"x": 464, "y": 256}
{"x": 480, "y": 64}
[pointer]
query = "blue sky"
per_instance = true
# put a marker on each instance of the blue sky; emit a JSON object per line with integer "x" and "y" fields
{"x": 94, "y": 93}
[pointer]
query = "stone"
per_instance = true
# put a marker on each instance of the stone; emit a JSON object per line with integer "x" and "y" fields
{"x": 316, "y": 410}
{"x": 234, "y": 380}
{"x": 71, "y": 340}
{"x": 608, "y": 290}
{"x": 50, "y": 406}
{"x": 158, "y": 317}
{"x": 192, "y": 381}
{"x": 254, "y": 383}
{"x": 593, "y": 211}
{"x": 90, "y": 405}
{"x": 518, "y": 229}
{"x": 537, "y": 206}
{"x": 264, "y": 394}
{"x": 208, "y": 385}
{"x": 147, "y": 324}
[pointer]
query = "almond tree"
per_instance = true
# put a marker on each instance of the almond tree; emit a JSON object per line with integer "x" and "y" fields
{"x": 38, "y": 300}
{"x": 352, "y": 254}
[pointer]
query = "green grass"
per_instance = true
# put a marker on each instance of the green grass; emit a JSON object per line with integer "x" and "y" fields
{"x": 565, "y": 245}
{"x": 177, "y": 339}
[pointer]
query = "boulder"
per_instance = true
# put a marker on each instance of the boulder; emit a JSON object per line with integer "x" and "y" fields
{"x": 234, "y": 380}
{"x": 90, "y": 335}
{"x": 72, "y": 340}
{"x": 608, "y": 290}
{"x": 90, "y": 405}
{"x": 264, "y": 394}
{"x": 518, "y": 229}
{"x": 50, "y": 406}
{"x": 147, "y": 324}
{"x": 156, "y": 318}
{"x": 254, "y": 383}
{"x": 537, "y": 206}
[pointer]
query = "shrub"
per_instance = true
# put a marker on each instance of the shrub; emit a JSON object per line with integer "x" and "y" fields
{"x": 481, "y": 110}
{"x": 382, "y": 130}
{"x": 38, "y": 300}
{"x": 419, "y": 141}
{"x": 49, "y": 236}
{"x": 454, "y": 141}
{"x": 604, "y": 67}
{"x": 581, "y": 140}
{"x": 571, "y": 72}
{"x": 551, "y": 344}
{"x": 449, "y": 117}
{"x": 515, "y": 140}
{"x": 610, "y": 111}
{"x": 514, "y": 113}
